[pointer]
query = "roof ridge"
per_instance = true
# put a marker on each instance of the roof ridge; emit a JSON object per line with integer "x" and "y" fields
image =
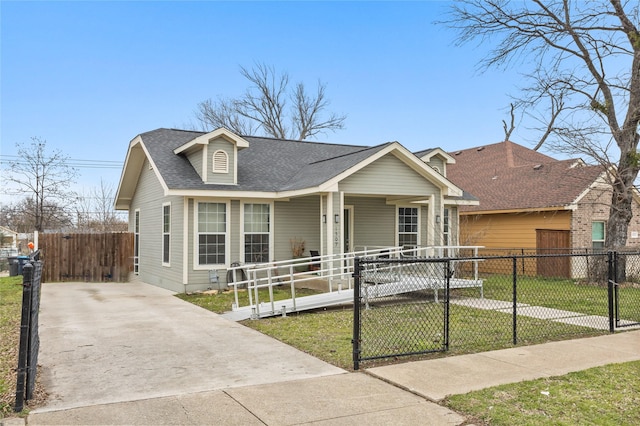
{"x": 300, "y": 141}
{"x": 353, "y": 153}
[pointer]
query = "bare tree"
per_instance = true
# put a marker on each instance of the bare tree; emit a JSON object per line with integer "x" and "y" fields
{"x": 268, "y": 106}
{"x": 95, "y": 212}
{"x": 512, "y": 123}
{"x": 21, "y": 217}
{"x": 583, "y": 59}
{"x": 44, "y": 179}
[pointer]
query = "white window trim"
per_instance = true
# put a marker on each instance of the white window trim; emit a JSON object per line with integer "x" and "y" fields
{"x": 397, "y": 233}
{"x": 446, "y": 223}
{"x": 227, "y": 248}
{"x": 271, "y": 217}
{"x": 136, "y": 241}
{"x": 166, "y": 264}
{"x": 226, "y": 162}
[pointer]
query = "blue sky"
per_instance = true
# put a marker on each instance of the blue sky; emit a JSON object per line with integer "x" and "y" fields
{"x": 89, "y": 76}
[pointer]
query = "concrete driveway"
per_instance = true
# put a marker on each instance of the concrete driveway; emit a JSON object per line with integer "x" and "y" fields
{"x": 113, "y": 342}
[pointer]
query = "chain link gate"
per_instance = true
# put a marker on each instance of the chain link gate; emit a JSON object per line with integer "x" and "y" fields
{"x": 401, "y": 307}
{"x": 624, "y": 285}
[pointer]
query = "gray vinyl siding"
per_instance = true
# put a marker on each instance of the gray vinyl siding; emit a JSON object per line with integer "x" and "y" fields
{"x": 195, "y": 158}
{"x": 298, "y": 218}
{"x": 387, "y": 175}
{"x": 149, "y": 198}
{"x": 373, "y": 222}
{"x": 220, "y": 145}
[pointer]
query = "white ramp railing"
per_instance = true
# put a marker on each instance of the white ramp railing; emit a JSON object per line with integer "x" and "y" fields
{"x": 336, "y": 270}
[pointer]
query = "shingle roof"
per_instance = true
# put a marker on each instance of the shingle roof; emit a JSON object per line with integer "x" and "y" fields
{"x": 508, "y": 176}
{"x": 267, "y": 165}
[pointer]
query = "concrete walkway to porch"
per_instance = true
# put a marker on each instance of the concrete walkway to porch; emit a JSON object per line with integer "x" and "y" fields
{"x": 558, "y": 315}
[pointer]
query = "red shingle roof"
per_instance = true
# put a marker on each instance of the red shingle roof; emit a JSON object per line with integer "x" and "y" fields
{"x": 508, "y": 176}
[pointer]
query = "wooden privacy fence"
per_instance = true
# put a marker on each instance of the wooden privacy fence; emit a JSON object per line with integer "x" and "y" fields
{"x": 92, "y": 257}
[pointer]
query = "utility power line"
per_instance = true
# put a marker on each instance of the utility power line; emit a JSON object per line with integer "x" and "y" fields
{"x": 84, "y": 164}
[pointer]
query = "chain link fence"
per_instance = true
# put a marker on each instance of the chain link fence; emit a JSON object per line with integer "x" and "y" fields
{"x": 29, "y": 331}
{"x": 471, "y": 304}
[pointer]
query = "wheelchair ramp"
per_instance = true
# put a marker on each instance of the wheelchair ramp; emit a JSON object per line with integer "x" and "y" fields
{"x": 280, "y": 307}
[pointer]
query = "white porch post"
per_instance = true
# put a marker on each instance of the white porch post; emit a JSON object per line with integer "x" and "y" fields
{"x": 185, "y": 241}
{"x": 431, "y": 221}
{"x": 330, "y": 223}
{"x": 323, "y": 224}
{"x": 341, "y": 224}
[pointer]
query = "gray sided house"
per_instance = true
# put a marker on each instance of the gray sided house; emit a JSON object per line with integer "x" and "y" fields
{"x": 199, "y": 202}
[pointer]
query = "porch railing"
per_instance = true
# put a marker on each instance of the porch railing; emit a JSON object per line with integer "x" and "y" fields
{"x": 336, "y": 270}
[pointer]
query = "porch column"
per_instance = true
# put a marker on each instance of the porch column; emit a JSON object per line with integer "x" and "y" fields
{"x": 323, "y": 224}
{"x": 431, "y": 221}
{"x": 329, "y": 227}
{"x": 340, "y": 242}
{"x": 335, "y": 204}
{"x": 185, "y": 241}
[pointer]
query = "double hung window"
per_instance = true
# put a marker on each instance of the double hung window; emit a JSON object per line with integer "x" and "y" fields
{"x": 166, "y": 232}
{"x": 597, "y": 235}
{"x": 408, "y": 227}
{"x": 257, "y": 226}
{"x": 212, "y": 233}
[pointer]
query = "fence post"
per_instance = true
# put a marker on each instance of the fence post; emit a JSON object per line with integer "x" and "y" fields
{"x": 447, "y": 275}
{"x": 611, "y": 272}
{"x": 355, "y": 341}
{"x": 27, "y": 275}
{"x": 515, "y": 300}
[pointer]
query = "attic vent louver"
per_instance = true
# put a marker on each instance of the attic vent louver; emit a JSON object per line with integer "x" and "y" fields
{"x": 458, "y": 152}
{"x": 220, "y": 162}
{"x": 481, "y": 148}
{"x": 537, "y": 167}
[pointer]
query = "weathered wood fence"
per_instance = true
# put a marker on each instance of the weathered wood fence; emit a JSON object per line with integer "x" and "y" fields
{"x": 93, "y": 257}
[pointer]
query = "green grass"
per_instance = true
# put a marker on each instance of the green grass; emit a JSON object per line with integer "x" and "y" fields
{"x": 608, "y": 395}
{"x": 562, "y": 294}
{"x": 327, "y": 334}
{"x": 323, "y": 334}
{"x": 10, "y": 312}
{"x": 222, "y": 302}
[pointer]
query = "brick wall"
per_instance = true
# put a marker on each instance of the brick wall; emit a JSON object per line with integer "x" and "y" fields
{"x": 595, "y": 207}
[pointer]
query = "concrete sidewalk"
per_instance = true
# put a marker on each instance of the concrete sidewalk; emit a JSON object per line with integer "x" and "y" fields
{"x": 406, "y": 394}
{"x": 435, "y": 379}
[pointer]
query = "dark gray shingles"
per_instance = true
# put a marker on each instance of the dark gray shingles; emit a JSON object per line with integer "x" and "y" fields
{"x": 267, "y": 165}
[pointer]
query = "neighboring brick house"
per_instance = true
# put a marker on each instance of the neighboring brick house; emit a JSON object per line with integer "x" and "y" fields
{"x": 529, "y": 200}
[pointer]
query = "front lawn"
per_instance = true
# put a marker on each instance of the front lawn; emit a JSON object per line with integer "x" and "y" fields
{"x": 10, "y": 312}
{"x": 608, "y": 395}
{"x": 223, "y": 301}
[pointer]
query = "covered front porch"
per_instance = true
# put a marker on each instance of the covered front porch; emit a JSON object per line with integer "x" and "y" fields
{"x": 336, "y": 223}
